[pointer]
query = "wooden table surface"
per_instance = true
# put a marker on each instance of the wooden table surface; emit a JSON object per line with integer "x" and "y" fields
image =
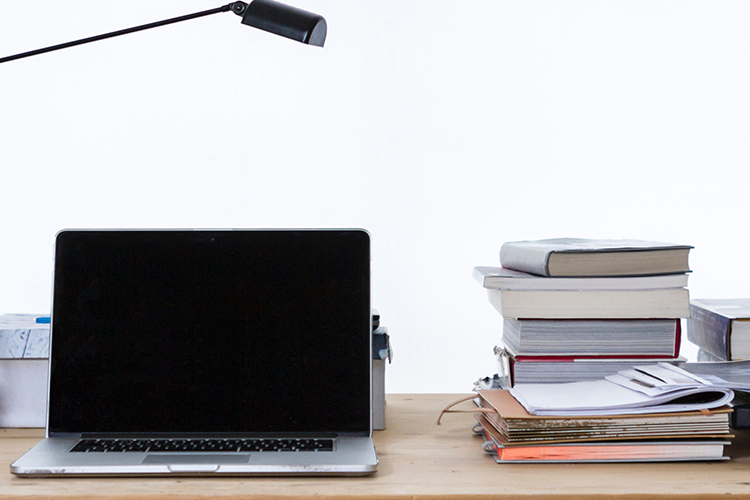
{"x": 418, "y": 460}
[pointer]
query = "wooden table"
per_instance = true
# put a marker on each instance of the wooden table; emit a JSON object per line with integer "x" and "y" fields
{"x": 418, "y": 460}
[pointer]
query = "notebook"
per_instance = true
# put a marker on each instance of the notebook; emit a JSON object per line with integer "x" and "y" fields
{"x": 211, "y": 352}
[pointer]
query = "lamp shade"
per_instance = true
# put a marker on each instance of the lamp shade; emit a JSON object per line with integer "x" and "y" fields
{"x": 267, "y": 15}
{"x": 286, "y": 21}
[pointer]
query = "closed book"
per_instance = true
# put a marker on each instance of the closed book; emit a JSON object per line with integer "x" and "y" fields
{"x": 646, "y": 338}
{"x": 668, "y": 303}
{"x": 594, "y": 257}
{"x": 509, "y": 279}
{"x": 721, "y": 327}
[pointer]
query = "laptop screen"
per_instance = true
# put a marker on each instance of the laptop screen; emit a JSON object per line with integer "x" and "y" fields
{"x": 180, "y": 331}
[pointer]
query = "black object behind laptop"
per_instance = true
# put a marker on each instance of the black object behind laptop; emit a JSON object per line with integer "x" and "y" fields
{"x": 199, "y": 351}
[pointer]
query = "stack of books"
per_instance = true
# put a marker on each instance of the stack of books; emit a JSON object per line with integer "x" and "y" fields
{"x": 514, "y": 434}
{"x": 649, "y": 413}
{"x": 578, "y": 309}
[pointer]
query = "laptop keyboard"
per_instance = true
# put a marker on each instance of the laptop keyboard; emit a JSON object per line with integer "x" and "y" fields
{"x": 199, "y": 445}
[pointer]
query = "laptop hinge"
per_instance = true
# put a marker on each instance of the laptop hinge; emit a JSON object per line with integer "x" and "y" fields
{"x": 65, "y": 434}
{"x": 201, "y": 435}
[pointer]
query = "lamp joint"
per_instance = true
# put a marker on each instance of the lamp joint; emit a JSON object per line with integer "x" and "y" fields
{"x": 238, "y": 7}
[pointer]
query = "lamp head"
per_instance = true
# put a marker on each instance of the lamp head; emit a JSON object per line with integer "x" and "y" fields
{"x": 267, "y": 15}
{"x": 283, "y": 20}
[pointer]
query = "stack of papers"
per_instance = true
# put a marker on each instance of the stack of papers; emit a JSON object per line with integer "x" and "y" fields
{"x": 648, "y": 413}
{"x": 641, "y": 390}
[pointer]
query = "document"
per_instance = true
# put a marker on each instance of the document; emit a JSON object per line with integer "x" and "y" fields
{"x": 655, "y": 389}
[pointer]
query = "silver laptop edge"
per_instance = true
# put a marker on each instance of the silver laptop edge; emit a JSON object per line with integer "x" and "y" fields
{"x": 353, "y": 453}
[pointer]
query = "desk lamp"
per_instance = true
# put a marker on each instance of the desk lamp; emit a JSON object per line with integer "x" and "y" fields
{"x": 267, "y": 15}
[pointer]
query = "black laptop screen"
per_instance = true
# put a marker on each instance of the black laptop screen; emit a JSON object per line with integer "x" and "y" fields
{"x": 211, "y": 331}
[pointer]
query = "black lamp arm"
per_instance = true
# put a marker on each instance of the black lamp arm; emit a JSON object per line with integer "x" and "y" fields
{"x": 236, "y": 7}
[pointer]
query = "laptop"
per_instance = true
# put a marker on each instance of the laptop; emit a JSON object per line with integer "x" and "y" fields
{"x": 208, "y": 352}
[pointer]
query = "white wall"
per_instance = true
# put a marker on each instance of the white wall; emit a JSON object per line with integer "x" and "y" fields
{"x": 444, "y": 128}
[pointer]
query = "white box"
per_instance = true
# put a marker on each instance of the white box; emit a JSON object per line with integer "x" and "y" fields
{"x": 23, "y": 392}
{"x": 24, "y": 365}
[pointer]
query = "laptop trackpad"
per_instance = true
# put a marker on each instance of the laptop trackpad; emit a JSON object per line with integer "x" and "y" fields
{"x": 194, "y": 458}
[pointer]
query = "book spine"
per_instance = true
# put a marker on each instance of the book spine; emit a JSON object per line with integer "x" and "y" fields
{"x": 709, "y": 331}
{"x": 678, "y": 340}
{"x": 527, "y": 260}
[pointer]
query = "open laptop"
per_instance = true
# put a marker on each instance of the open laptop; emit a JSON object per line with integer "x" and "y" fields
{"x": 223, "y": 352}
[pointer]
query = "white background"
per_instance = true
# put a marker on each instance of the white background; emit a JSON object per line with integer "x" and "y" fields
{"x": 444, "y": 128}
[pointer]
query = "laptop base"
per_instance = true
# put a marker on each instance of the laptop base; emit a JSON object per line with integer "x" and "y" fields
{"x": 51, "y": 457}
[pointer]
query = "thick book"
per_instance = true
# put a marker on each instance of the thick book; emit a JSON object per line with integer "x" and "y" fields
{"x": 721, "y": 327}
{"x": 592, "y": 257}
{"x": 627, "y": 338}
{"x": 514, "y": 370}
{"x": 509, "y": 279}
{"x": 668, "y": 303}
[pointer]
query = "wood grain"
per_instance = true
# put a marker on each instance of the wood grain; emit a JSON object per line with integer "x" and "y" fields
{"x": 418, "y": 460}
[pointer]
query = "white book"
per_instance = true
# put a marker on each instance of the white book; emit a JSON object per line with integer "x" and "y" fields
{"x": 509, "y": 279}
{"x": 594, "y": 257}
{"x": 592, "y": 337}
{"x": 596, "y": 304}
